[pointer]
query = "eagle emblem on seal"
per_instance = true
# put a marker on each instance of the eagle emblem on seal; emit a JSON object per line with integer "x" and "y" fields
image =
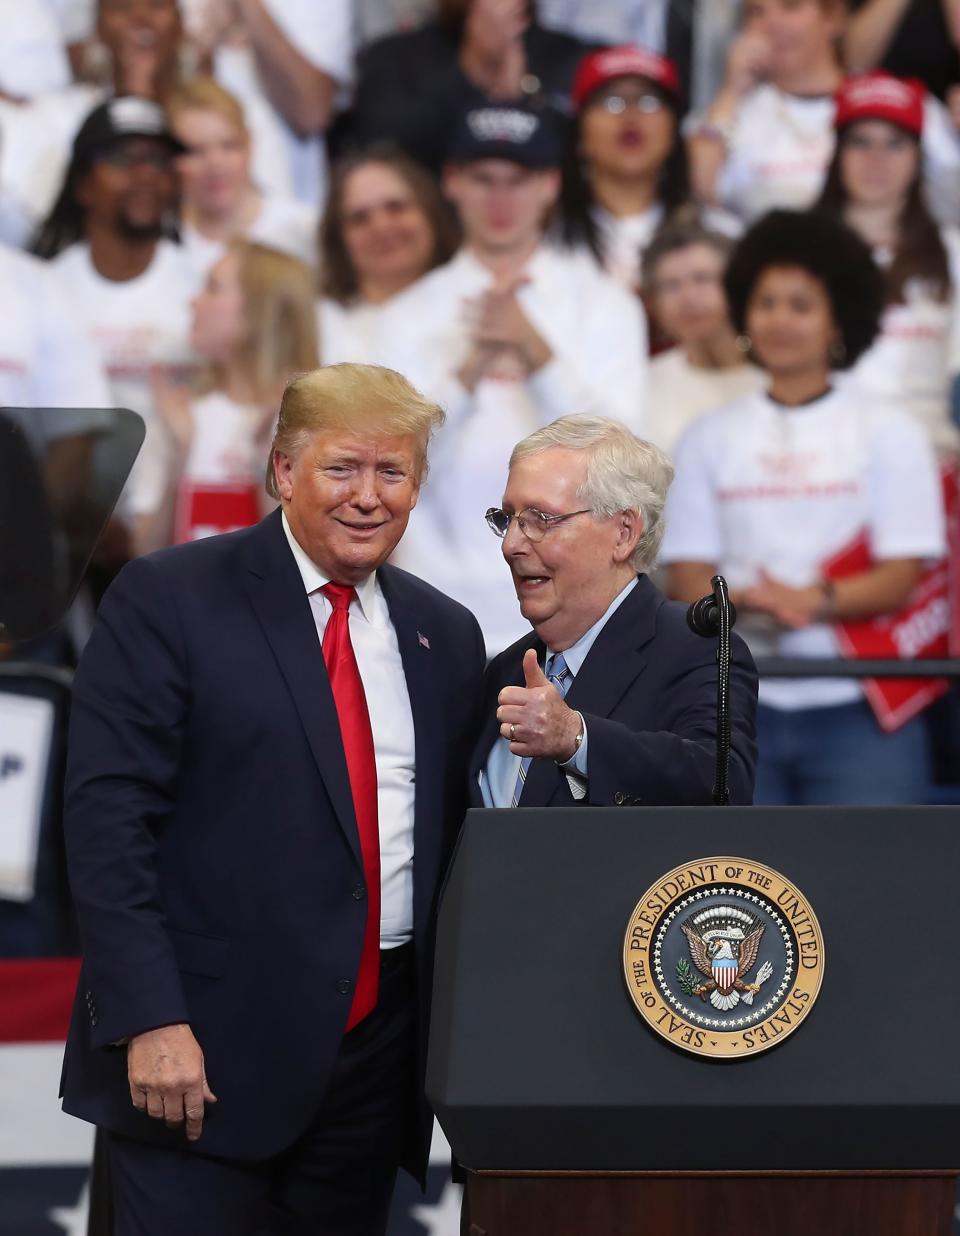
{"x": 724, "y": 942}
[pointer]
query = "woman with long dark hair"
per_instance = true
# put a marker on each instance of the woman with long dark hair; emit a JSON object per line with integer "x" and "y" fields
{"x": 875, "y": 184}
{"x": 625, "y": 167}
{"x": 820, "y": 508}
{"x": 386, "y": 225}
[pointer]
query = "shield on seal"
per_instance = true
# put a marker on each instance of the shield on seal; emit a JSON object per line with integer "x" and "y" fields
{"x": 725, "y": 972}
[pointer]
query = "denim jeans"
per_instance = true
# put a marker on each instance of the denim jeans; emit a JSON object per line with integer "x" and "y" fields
{"x": 834, "y": 756}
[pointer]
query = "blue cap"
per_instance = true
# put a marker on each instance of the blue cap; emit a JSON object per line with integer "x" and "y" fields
{"x": 505, "y": 131}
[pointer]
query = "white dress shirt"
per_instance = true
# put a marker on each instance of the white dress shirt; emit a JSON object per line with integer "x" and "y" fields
{"x": 384, "y": 683}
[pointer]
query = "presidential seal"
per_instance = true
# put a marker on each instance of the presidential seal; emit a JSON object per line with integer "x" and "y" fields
{"x": 723, "y": 957}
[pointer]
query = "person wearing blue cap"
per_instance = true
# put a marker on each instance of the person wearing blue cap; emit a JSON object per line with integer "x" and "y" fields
{"x": 508, "y": 335}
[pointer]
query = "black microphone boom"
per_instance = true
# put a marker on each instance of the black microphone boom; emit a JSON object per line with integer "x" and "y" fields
{"x": 703, "y": 616}
{"x": 715, "y": 615}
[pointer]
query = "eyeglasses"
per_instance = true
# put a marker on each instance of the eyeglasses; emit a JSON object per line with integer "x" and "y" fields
{"x": 532, "y": 523}
{"x": 617, "y": 104}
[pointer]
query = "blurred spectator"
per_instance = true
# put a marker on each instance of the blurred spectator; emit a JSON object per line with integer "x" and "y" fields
{"x": 411, "y": 88}
{"x": 875, "y": 183}
{"x": 378, "y": 18}
{"x": 220, "y": 202}
{"x": 254, "y": 326}
{"x": 137, "y": 53}
{"x": 45, "y": 357}
{"x": 33, "y": 57}
{"x": 117, "y": 271}
{"x": 287, "y": 58}
{"x": 767, "y": 138}
{"x": 683, "y": 281}
{"x": 818, "y": 506}
{"x": 507, "y": 336}
{"x": 625, "y": 169}
{"x": 909, "y": 38}
{"x": 693, "y": 33}
{"x": 386, "y": 225}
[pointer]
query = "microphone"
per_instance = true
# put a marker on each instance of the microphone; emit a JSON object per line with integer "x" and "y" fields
{"x": 703, "y": 616}
{"x": 714, "y": 615}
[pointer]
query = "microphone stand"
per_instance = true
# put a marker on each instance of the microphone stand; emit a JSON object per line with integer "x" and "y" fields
{"x": 715, "y": 615}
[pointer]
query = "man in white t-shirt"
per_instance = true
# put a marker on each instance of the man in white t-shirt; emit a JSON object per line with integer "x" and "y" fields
{"x": 507, "y": 336}
{"x": 127, "y": 284}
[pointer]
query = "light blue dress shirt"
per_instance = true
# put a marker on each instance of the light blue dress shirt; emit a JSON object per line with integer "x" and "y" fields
{"x": 499, "y": 777}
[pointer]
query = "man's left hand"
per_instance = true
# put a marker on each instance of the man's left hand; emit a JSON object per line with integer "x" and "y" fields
{"x": 535, "y": 719}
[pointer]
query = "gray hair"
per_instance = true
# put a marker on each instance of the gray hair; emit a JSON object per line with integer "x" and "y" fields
{"x": 624, "y": 473}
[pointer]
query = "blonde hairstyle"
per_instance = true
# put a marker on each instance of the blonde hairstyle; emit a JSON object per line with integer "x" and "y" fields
{"x": 203, "y": 94}
{"x": 361, "y": 399}
{"x": 624, "y": 473}
{"x": 281, "y": 338}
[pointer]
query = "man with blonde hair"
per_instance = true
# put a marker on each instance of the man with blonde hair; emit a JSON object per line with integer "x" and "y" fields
{"x": 610, "y": 699}
{"x": 266, "y": 775}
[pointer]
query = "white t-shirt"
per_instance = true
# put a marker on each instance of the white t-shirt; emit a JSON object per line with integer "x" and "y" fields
{"x": 282, "y": 223}
{"x": 223, "y": 476}
{"x": 35, "y": 143}
{"x": 45, "y": 356}
{"x": 625, "y": 238}
{"x": 323, "y": 35}
{"x": 32, "y": 54}
{"x": 680, "y": 393}
{"x": 909, "y": 365}
{"x": 781, "y": 144}
{"x": 597, "y": 332}
{"x": 135, "y": 325}
{"x": 764, "y": 487}
{"x": 349, "y": 332}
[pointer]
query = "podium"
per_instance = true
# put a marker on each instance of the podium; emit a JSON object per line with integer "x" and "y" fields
{"x": 572, "y": 1116}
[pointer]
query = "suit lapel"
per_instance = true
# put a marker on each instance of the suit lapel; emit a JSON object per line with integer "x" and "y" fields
{"x": 275, "y": 590}
{"x": 424, "y": 676}
{"x": 611, "y": 667}
{"x": 617, "y": 657}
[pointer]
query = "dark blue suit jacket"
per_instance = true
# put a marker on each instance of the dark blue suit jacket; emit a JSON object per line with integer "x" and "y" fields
{"x": 212, "y": 843}
{"x": 648, "y": 693}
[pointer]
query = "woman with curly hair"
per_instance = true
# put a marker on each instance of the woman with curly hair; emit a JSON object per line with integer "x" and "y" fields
{"x": 818, "y": 507}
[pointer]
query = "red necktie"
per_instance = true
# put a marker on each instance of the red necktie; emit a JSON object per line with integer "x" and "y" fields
{"x": 357, "y": 738}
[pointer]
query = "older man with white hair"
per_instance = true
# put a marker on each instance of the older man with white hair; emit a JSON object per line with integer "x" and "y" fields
{"x": 610, "y": 699}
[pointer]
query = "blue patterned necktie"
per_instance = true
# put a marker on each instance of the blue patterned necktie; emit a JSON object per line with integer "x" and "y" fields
{"x": 561, "y": 678}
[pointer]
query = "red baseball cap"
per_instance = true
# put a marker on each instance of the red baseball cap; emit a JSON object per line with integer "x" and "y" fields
{"x": 628, "y": 60}
{"x": 881, "y": 96}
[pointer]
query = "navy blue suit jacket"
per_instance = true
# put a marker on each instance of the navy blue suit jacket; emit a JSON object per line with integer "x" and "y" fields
{"x": 648, "y": 693}
{"x": 212, "y": 844}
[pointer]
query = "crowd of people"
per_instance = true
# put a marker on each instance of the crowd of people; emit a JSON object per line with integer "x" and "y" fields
{"x": 728, "y": 225}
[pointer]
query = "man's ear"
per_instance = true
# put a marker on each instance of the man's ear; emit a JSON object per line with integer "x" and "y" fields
{"x": 629, "y": 525}
{"x": 283, "y": 474}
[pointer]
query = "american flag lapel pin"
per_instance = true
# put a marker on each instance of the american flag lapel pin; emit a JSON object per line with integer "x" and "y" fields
{"x": 423, "y": 641}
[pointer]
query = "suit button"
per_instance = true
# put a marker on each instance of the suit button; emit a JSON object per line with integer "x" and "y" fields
{"x": 359, "y": 893}
{"x": 619, "y": 798}
{"x": 93, "y": 1019}
{"x": 344, "y": 986}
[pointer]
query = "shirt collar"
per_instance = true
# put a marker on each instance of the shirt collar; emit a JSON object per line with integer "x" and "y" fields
{"x": 313, "y": 578}
{"x": 576, "y": 654}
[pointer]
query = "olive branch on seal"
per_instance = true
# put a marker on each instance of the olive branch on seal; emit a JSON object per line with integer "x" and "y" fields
{"x": 685, "y": 980}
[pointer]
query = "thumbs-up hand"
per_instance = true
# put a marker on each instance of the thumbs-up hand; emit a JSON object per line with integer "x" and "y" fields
{"x": 534, "y": 718}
